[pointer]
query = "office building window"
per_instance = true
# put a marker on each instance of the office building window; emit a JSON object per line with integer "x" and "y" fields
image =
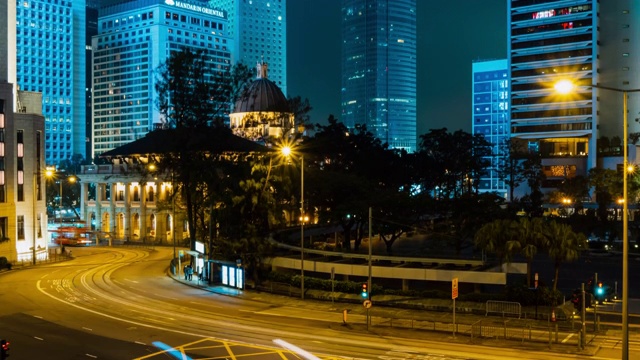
{"x": 20, "y": 226}
{"x": 4, "y": 223}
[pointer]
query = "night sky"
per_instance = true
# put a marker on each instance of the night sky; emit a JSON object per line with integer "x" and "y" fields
{"x": 451, "y": 34}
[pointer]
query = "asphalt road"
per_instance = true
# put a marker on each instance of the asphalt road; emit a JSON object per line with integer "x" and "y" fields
{"x": 119, "y": 303}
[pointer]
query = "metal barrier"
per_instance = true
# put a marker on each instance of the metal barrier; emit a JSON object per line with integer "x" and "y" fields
{"x": 504, "y": 308}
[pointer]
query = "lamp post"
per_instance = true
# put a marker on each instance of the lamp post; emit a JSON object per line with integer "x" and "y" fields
{"x": 35, "y": 218}
{"x": 49, "y": 173}
{"x": 286, "y": 151}
{"x": 566, "y": 86}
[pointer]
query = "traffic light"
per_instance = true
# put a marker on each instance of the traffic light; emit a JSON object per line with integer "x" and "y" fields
{"x": 4, "y": 349}
{"x": 365, "y": 291}
{"x": 576, "y": 299}
{"x": 600, "y": 289}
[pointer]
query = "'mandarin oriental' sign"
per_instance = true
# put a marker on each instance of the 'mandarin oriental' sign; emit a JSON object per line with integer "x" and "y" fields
{"x": 197, "y": 8}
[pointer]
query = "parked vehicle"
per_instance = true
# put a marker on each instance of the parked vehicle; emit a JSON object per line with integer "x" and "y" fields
{"x": 4, "y": 263}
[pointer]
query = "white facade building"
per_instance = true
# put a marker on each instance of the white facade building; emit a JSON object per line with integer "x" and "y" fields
{"x": 587, "y": 42}
{"x": 133, "y": 39}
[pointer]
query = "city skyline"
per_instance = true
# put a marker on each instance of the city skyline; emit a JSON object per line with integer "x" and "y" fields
{"x": 444, "y": 61}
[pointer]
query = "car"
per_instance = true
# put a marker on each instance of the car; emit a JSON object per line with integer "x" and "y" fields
{"x": 4, "y": 263}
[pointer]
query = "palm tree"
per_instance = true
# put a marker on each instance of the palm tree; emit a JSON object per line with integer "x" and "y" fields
{"x": 563, "y": 245}
{"x": 530, "y": 235}
{"x": 497, "y": 237}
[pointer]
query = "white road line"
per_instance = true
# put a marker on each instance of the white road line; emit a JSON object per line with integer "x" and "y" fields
{"x": 568, "y": 337}
{"x": 38, "y": 338}
{"x": 38, "y": 317}
{"x": 91, "y": 356}
{"x": 140, "y": 343}
{"x": 86, "y": 328}
{"x": 133, "y": 281}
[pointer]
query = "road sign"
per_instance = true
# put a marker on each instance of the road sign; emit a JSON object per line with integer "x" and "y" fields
{"x": 454, "y": 288}
{"x": 367, "y": 304}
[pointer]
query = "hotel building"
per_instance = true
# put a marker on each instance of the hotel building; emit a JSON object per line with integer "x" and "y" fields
{"x": 133, "y": 40}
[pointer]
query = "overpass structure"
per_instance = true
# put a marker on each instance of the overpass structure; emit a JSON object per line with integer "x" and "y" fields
{"x": 395, "y": 267}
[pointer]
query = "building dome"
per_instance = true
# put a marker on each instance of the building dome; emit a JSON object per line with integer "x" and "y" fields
{"x": 263, "y": 95}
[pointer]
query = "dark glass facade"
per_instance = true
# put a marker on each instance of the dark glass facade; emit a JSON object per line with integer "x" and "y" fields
{"x": 379, "y": 69}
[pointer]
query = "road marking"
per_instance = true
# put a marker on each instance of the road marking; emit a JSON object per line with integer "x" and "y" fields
{"x": 568, "y": 337}
{"x": 38, "y": 338}
{"x": 140, "y": 343}
{"x": 37, "y": 317}
{"x": 91, "y": 356}
{"x": 154, "y": 320}
{"x": 133, "y": 281}
{"x": 86, "y": 328}
{"x": 147, "y": 313}
{"x": 204, "y": 304}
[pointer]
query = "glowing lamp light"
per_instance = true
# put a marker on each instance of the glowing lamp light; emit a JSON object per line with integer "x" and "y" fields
{"x": 564, "y": 87}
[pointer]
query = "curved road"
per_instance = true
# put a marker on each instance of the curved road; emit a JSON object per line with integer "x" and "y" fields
{"x": 118, "y": 303}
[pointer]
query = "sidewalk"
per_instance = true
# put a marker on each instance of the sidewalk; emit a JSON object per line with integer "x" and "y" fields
{"x": 414, "y": 322}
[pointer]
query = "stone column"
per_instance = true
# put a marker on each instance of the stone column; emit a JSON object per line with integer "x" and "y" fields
{"x": 99, "y": 207}
{"x": 143, "y": 212}
{"x": 112, "y": 209}
{"x": 84, "y": 187}
{"x": 127, "y": 212}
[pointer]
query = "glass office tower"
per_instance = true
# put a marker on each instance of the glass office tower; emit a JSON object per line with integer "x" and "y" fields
{"x": 379, "y": 69}
{"x": 51, "y": 60}
{"x": 490, "y": 84}
{"x": 259, "y": 32}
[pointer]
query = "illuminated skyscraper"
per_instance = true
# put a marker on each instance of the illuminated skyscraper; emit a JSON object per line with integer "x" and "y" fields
{"x": 133, "y": 40}
{"x": 587, "y": 42}
{"x": 259, "y": 32}
{"x": 379, "y": 69}
{"x": 51, "y": 60}
{"x": 490, "y": 82}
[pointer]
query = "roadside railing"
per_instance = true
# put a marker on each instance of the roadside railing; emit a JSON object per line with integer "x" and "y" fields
{"x": 503, "y": 308}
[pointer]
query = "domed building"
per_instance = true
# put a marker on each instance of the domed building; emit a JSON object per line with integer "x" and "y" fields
{"x": 262, "y": 111}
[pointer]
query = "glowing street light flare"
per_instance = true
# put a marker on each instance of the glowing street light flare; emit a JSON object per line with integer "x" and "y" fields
{"x": 564, "y": 87}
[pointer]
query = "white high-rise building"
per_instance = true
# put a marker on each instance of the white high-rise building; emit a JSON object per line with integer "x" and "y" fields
{"x": 587, "y": 42}
{"x": 133, "y": 40}
{"x": 259, "y": 31}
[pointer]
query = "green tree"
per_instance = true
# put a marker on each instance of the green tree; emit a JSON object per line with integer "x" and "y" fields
{"x": 193, "y": 100}
{"x": 498, "y": 237}
{"x": 453, "y": 162}
{"x": 608, "y": 185}
{"x": 563, "y": 245}
{"x": 529, "y": 233}
{"x": 510, "y": 168}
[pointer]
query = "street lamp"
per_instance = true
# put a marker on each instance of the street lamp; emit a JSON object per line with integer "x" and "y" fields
{"x": 286, "y": 151}
{"x": 565, "y": 87}
{"x": 49, "y": 174}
